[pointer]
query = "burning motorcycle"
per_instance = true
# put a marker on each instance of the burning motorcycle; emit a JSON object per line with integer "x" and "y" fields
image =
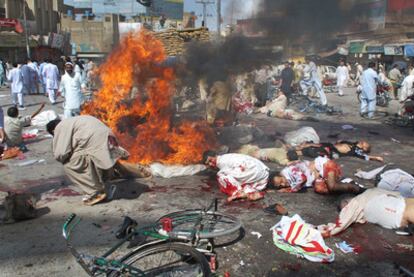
{"x": 383, "y": 94}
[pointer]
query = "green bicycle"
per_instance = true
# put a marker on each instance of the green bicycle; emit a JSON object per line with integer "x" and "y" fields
{"x": 175, "y": 245}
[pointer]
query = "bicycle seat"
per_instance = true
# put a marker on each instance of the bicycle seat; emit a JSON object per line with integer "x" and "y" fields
{"x": 126, "y": 227}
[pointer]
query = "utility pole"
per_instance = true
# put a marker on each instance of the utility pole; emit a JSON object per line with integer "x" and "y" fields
{"x": 205, "y": 3}
{"x": 26, "y": 30}
{"x": 219, "y": 17}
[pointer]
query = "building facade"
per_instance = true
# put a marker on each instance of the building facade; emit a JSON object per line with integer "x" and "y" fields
{"x": 92, "y": 34}
{"x": 40, "y": 20}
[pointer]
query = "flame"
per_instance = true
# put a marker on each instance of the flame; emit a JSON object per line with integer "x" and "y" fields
{"x": 135, "y": 101}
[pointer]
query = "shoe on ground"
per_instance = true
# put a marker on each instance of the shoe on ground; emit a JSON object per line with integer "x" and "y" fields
{"x": 404, "y": 231}
{"x": 21, "y": 108}
{"x": 95, "y": 199}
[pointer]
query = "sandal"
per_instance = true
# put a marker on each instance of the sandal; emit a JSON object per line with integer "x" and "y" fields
{"x": 95, "y": 199}
{"x": 276, "y": 209}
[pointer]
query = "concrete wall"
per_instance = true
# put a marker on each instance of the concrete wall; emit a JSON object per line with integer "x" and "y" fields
{"x": 92, "y": 35}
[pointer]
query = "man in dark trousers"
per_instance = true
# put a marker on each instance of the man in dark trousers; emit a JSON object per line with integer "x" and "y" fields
{"x": 287, "y": 75}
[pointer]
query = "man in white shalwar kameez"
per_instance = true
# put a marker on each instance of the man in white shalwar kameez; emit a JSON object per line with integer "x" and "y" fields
{"x": 342, "y": 76}
{"x": 369, "y": 80}
{"x": 239, "y": 175}
{"x": 311, "y": 79}
{"x": 407, "y": 88}
{"x": 70, "y": 88}
{"x": 16, "y": 78}
{"x": 50, "y": 74}
{"x": 89, "y": 152}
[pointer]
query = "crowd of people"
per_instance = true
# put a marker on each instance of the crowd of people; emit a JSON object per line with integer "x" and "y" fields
{"x": 270, "y": 89}
{"x": 45, "y": 78}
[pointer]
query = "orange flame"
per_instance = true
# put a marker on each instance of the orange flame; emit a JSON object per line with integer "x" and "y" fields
{"x": 135, "y": 102}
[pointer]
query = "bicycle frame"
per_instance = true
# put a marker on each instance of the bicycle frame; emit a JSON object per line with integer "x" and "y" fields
{"x": 95, "y": 264}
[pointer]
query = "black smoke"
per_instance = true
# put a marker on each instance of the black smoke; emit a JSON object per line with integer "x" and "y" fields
{"x": 314, "y": 22}
{"x": 312, "y": 25}
{"x": 216, "y": 61}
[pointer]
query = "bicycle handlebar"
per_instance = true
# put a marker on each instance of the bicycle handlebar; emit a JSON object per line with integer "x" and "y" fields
{"x": 65, "y": 228}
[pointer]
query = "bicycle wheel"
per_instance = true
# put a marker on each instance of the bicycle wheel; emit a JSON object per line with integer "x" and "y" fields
{"x": 206, "y": 224}
{"x": 167, "y": 259}
{"x": 377, "y": 115}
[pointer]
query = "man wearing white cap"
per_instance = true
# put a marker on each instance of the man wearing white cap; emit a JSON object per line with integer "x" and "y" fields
{"x": 71, "y": 87}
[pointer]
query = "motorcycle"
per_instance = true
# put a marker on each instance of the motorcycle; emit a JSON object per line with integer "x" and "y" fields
{"x": 383, "y": 94}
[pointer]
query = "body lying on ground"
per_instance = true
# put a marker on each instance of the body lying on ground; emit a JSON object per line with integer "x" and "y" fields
{"x": 275, "y": 155}
{"x": 391, "y": 179}
{"x": 239, "y": 176}
{"x": 323, "y": 174}
{"x": 388, "y": 209}
{"x": 278, "y": 108}
{"x": 89, "y": 152}
{"x": 359, "y": 149}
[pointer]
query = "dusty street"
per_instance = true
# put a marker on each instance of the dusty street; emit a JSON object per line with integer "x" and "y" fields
{"x": 36, "y": 247}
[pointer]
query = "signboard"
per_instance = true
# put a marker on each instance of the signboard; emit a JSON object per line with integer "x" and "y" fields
{"x": 8, "y": 22}
{"x": 12, "y": 23}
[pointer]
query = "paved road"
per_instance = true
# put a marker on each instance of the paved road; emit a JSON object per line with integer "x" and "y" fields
{"x": 35, "y": 247}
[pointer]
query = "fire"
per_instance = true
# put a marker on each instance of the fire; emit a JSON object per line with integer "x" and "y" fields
{"x": 135, "y": 101}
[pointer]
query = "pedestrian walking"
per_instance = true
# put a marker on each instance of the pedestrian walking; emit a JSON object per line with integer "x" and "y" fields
{"x": 342, "y": 76}
{"x": 369, "y": 80}
{"x": 50, "y": 75}
{"x": 70, "y": 88}
{"x": 15, "y": 77}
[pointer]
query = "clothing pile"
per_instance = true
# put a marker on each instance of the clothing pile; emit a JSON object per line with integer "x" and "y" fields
{"x": 295, "y": 236}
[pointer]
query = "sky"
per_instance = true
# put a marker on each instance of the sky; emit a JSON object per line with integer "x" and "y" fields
{"x": 231, "y": 9}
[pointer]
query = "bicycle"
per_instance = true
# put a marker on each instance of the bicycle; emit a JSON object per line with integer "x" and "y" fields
{"x": 179, "y": 246}
{"x": 306, "y": 105}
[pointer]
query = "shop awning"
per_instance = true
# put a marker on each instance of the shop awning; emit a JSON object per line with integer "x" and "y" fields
{"x": 356, "y": 47}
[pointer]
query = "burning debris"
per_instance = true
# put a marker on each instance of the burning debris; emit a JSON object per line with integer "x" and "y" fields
{"x": 135, "y": 101}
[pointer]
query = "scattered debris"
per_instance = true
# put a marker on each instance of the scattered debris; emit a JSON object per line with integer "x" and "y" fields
{"x": 395, "y": 140}
{"x": 276, "y": 209}
{"x": 97, "y": 225}
{"x": 31, "y": 162}
{"x": 256, "y": 234}
{"x": 347, "y": 248}
{"x": 348, "y": 127}
{"x": 242, "y": 263}
{"x": 409, "y": 247}
{"x": 373, "y": 133}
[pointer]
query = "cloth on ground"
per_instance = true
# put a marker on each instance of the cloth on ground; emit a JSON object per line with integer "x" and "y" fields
{"x": 304, "y": 134}
{"x": 278, "y": 155}
{"x": 44, "y": 117}
{"x": 391, "y": 180}
{"x": 295, "y": 236}
{"x": 170, "y": 171}
{"x": 238, "y": 172}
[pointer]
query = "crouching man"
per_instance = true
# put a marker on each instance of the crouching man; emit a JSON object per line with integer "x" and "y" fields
{"x": 388, "y": 209}
{"x": 89, "y": 152}
{"x": 239, "y": 176}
